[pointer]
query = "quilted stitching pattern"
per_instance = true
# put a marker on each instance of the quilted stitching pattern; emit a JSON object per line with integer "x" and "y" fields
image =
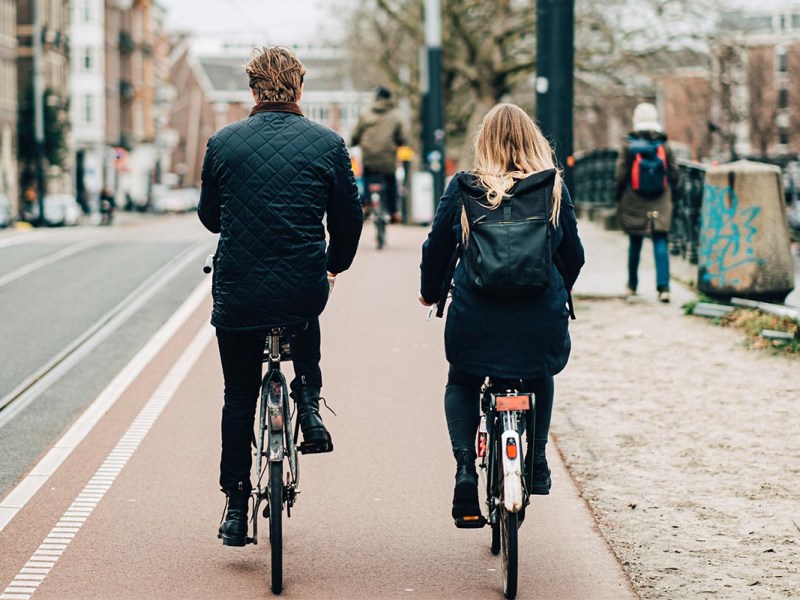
{"x": 269, "y": 181}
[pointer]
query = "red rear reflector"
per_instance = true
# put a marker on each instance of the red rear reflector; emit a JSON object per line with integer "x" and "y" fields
{"x": 472, "y": 518}
{"x": 481, "y": 444}
{"x": 511, "y": 449}
{"x": 505, "y": 403}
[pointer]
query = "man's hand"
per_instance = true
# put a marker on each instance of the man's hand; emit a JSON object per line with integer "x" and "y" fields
{"x": 331, "y": 281}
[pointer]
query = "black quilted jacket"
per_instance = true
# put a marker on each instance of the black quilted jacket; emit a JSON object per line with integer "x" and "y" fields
{"x": 268, "y": 183}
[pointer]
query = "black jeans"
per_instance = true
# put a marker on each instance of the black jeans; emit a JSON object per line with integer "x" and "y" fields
{"x": 462, "y": 406}
{"x": 241, "y": 354}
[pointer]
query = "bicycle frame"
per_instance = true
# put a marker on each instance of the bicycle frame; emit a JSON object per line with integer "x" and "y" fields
{"x": 275, "y": 426}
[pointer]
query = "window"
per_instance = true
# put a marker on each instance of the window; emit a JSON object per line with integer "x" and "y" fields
{"x": 783, "y": 98}
{"x": 783, "y": 61}
{"x": 88, "y": 106}
{"x": 783, "y": 136}
{"x": 87, "y": 59}
{"x": 86, "y": 13}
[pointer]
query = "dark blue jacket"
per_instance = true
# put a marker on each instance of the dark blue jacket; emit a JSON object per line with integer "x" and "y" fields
{"x": 524, "y": 338}
{"x": 269, "y": 183}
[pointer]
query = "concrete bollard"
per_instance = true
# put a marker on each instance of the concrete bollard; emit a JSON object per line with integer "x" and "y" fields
{"x": 744, "y": 238}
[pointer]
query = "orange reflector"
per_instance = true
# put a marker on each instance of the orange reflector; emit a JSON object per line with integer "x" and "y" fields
{"x": 511, "y": 449}
{"x": 470, "y": 518}
{"x": 506, "y": 403}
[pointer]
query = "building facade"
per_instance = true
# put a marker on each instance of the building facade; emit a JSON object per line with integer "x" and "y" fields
{"x": 54, "y": 18}
{"x": 8, "y": 104}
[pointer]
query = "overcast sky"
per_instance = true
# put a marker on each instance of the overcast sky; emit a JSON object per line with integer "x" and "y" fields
{"x": 278, "y": 21}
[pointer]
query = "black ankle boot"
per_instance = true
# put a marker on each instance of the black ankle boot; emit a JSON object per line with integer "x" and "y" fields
{"x": 465, "y": 494}
{"x": 233, "y": 530}
{"x": 316, "y": 437}
{"x": 540, "y": 477}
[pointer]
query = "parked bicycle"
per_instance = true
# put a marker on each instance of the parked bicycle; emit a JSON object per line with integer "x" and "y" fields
{"x": 277, "y": 465}
{"x": 505, "y": 438}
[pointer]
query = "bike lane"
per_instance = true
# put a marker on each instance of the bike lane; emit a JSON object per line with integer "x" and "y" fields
{"x": 372, "y": 519}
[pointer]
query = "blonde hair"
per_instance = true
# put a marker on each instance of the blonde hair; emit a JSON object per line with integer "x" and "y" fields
{"x": 276, "y": 74}
{"x": 509, "y": 147}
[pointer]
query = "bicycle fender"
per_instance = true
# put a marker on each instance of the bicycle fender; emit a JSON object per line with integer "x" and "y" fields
{"x": 512, "y": 471}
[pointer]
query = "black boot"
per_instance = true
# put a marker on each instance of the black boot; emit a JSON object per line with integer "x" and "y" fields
{"x": 316, "y": 437}
{"x": 233, "y": 530}
{"x": 466, "y": 508}
{"x": 540, "y": 478}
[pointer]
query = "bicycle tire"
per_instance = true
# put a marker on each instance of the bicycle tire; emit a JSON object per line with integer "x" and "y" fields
{"x": 276, "y": 525}
{"x": 380, "y": 228}
{"x": 496, "y": 466}
{"x": 508, "y": 534}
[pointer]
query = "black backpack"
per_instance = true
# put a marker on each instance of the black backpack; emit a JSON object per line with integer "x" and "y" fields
{"x": 508, "y": 253}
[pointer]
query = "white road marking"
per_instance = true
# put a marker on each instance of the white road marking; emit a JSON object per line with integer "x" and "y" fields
{"x": 27, "y": 584}
{"x": 27, "y": 488}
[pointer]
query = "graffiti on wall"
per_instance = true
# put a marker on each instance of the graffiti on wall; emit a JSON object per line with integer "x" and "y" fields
{"x": 727, "y": 239}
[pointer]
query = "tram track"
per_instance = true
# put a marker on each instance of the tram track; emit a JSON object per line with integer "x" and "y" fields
{"x": 36, "y": 383}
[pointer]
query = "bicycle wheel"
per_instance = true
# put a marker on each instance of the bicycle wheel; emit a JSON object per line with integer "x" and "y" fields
{"x": 493, "y": 492}
{"x": 380, "y": 228}
{"x": 508, "y": 541}
{"x": 275, "y": 524}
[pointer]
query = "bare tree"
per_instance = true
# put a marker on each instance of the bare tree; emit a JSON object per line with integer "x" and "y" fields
{"x": 490, "y": 49}
{"x": 763, "y": 98}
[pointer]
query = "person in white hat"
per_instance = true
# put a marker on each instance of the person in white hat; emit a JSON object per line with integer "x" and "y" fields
{"x": 645, "y": 178}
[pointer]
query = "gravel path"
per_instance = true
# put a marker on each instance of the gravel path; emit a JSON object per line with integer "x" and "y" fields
{"x": 686, "y": 446}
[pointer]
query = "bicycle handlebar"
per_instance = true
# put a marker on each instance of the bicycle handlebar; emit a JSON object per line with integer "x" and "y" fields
{"x": 209, "y": 264}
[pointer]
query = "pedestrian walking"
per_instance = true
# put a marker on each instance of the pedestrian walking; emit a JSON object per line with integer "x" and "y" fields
{"x": 646, "y": 176}
{"x": 270, "y": 183}
{"x": 519, "y": 331}
{"x": 380, "y": 131}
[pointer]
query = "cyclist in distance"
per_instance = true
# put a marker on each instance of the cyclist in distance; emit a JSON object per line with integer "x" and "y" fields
{"x": 503, "y": 338}
{"x": 380, "y": 131}
{"x": 269, "y": 181}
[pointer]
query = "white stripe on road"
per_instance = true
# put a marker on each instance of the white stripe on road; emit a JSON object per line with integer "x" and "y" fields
{"x": 22, "y": 238}
{"x": 27, "y": 488}
{"x": 25, "y": 583}
{"x": 47, "y": 260}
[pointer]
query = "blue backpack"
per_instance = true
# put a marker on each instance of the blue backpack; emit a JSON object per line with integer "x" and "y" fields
{"x": 649, "y": 171}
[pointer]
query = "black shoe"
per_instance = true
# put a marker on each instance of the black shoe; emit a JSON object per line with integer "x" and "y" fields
{"x": 316, "y": 437}
{"x": 540, "y": 477}
{"x": 233, "y": 530}
{"x": 466, "y": 507}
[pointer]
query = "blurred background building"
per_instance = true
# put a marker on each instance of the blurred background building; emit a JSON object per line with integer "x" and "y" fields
{"x": 8, "y": 104}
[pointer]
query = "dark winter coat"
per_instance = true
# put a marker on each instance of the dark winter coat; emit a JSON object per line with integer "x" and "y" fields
{"x": 520, "y": 338}
{"x": 379, "y": 132}
{"x": 632, "y": 208}
{"x": 268, "y": 183}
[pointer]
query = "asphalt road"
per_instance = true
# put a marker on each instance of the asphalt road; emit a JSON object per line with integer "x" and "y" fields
{"x": 137, "y": 518}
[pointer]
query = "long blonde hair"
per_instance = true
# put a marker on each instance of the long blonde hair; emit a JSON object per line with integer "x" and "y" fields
{"x": 509, "y": 147}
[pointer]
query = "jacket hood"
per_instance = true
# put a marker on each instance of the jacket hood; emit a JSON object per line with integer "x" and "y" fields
{"x": 382, "y": 105}
{"x": 471, "y": 185}
{"x": 648, "y": 134}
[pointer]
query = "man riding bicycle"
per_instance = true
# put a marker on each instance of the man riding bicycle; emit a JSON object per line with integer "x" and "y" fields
{"x": 380, "y": 131}
{"x": 270, "y": 182}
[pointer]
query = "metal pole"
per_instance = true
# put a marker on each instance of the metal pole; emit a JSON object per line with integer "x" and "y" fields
{"x": 555, "y": 76}
{"x": 38, "y": 107}
{"x": 434, "y": 113}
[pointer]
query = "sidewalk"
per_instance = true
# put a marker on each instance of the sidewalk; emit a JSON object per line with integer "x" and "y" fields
{"x": 605, "y": 274}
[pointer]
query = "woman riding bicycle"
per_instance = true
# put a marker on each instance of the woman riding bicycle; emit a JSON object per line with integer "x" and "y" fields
{"x": 503, "y": 338}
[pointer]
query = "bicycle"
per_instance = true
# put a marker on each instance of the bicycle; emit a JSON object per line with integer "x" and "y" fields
{"x": 275, "y": 441}
{"x": 377, "y": 194}
{"x": 505, "y": 438}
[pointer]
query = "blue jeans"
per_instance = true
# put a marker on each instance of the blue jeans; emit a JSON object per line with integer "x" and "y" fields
{"x": 661, "y": 252}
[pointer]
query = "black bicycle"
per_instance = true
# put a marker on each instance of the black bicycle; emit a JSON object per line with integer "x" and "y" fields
{"x": 275, "y": 436}
{"x": 505, "y": 438}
